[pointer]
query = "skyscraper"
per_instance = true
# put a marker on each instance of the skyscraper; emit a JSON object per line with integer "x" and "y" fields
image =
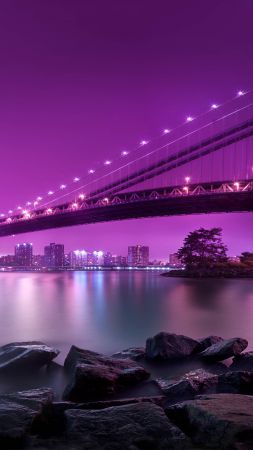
{"x": 54, "y": 255}
{"x": 138, "y": 255}
{"x": 24, "y": 255}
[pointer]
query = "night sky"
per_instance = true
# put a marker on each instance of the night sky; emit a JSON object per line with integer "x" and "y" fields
{"x": 81, "y": 80}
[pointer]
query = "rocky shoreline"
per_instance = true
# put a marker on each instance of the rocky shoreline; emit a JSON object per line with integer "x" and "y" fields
{"x": 117, "y": 402}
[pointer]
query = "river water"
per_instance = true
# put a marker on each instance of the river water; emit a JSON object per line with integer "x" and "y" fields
{"x": 110, "y": 311}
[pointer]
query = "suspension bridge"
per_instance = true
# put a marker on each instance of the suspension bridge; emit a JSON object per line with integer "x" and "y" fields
{"x": 203, "y": 166}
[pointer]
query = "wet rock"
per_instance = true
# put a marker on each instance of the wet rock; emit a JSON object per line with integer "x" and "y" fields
{"x": 206, "y": 342}
{"x": 135, "y": 353}
{"x": 141, "y": 426}
{"x": 94, "y": 382}
{"x": 218, "y": 421}
{"x": 15, "y": 423}
{"x": 25, "y": 356}
{"x": 166, "y": 346}
{"x": 236, "y": 382}
{"x": 189, "y": 386}
{"x": 224, "y": 349}
{"x": 34, "y": 398}
{"x": 244, "y": 361}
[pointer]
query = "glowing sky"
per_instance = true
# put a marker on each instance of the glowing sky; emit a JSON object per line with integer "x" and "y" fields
{"x": 82, "y": 80}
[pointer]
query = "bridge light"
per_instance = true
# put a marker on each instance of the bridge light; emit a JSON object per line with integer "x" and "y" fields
{"x": 28, "y": 203}
{"x": 19, "y": 207}
{"x": 186, "y": 189}
{"x": 237, "y": 185}
{"x": 166, "y": 131}
{"x": 49, "y": 211}
{"x": 187, "y": 179}
{"x": 76, "y": 179}
{"x": 10, "y": 211}
{"x": 63, "y": 186}
{"x": 39, "y": 198}
{"x": 214, "y": 106}
{"x": 82, "y": 196}
{"x": 106, "y": 200}
{"x": 35, "y": 203}
{"x": 189, "y": 119}
{"x": 91, "y": 171}
{"x": 124, "y": 153}
{"x": 107, "y": 162}
{"x": 74, "y": 205}
{"x": 143, "y": 142}
{"x": 50, "y": 193}
{"x": 240, "y": 93}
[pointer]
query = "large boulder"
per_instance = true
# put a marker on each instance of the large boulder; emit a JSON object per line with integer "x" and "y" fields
{"x": 206, "y": 342}
{"x": 224, "y": 349}
{"x": 244, "y": 361}
{"x": 25, "y": 356}
{"x": 33, "y": 398}
{"x": 239, "y": 382}
{"x": 141, "y": 426}
{"x": 167, "y": 346}
{"x": 15, "y": 423}
{"x": 96, "y": 376}
{"x": 221, "y": 421}
{"x": 94, "y": 382}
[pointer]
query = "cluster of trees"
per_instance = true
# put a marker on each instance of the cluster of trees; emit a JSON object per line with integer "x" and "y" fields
{"x": 204, "y": 249}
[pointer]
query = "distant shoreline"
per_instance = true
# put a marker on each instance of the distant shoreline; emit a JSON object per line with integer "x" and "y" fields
{"x": 85, "y": 269}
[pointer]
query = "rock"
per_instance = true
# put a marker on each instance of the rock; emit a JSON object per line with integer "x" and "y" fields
{"x": 206, "y": 342}
{"x": 95, "y": 382}
{"x": 167, "y": 346}
{"x": 189, "y": 386}
{"x": 135, "y": 353}
{"x": 15, "y": 423}
{"x": 244, "y": 361}
{"x": 25, "y": 356}
{"x": 219, "y": 421}
{"x": 224, "y": 349}
{"x": 34, "y": 398}
{"x": 236, "y": 382}
{"x": 129, "y": 427}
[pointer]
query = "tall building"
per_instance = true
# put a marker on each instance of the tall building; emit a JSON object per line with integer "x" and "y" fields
{"x": 54, "y": 255}
{"x": 138, "y": 255}
{"x": 24, "y": 255}
{"x": 78, "y": 259}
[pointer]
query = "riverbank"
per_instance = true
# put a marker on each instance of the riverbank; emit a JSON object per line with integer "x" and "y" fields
{"x": 120, "y": 402}
{"x": 221, "y": 272}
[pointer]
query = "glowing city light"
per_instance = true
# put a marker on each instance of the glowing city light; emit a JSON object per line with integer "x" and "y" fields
{"x": 166, "y": 131}
{"x": 35, "y": 203}
{"x": 107, "y": 163}
{"x": 76, "y": 179}
{"x": 10, "y": 211}
{"x": 63, "y": 186}
{"x": 186, "y": 189}
{"x": 143, "y": 142}
{"x": 189, "y": 119}
{"x": 19, "y": 208}
{"x": 91, "y": 171}
{"x": 82, "y": 196}
{"x": 214, "y": 106}
{"x": 237, "y": 185}
{"x": 28, "y": 203}
{"x": 106, "y": 200}
{"x": 240, "y": 93}
{"x": 2, "y": 215}
{"x": 74, "y": 205}
{"x": 50, "y": 193}
{"x": 49, "y": 211}
{"x": 39, "y": 198}
{"x": 9, "y": 220}
{"x": 187, "y": 179}
{"x": 124, "y": 153}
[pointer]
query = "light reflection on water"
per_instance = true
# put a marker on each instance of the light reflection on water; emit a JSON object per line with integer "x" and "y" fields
{"x": 109, "y": 311}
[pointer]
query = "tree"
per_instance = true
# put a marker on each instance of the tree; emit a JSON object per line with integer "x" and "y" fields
{"x": 247, "y": 258}
{"x": 203, "y": 248}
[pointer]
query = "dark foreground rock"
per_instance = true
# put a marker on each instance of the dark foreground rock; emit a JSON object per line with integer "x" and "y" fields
{"x": 25, "y": 356}
{"x": 224, "y": 349}
{"x": 166, "y": 346}
{"x": 206, "y": 342}
{"x": 244, "y": 361}
{"x": 96, "y": 376}
{"x": 142, "y": 426}
{"x": 33, "y": 398}
{"x": 221, "y": 421}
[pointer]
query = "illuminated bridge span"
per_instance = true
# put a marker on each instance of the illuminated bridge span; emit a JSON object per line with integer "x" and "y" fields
{"x": 175, "y": 175}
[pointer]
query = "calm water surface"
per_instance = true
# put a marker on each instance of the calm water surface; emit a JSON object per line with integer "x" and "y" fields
{"x": 110, "y": 311}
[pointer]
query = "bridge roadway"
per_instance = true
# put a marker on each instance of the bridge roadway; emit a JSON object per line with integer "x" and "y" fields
{"x": 222, "y": 198}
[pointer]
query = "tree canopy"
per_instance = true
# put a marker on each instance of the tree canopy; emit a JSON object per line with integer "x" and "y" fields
{"x": 203, "y": 248}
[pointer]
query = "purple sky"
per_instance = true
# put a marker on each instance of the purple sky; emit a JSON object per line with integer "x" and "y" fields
{"x": 81, "y": 80}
